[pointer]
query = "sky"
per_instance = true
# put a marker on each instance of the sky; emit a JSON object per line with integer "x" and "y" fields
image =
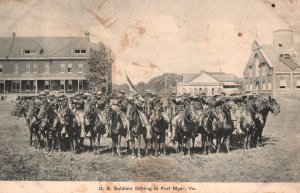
{"x": 152, "y": 37}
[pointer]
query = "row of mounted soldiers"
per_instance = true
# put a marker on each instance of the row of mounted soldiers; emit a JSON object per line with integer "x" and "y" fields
{"x": 52, "y": 120}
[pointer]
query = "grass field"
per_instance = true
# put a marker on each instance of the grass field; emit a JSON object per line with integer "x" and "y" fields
{"x": 277, "y": 161}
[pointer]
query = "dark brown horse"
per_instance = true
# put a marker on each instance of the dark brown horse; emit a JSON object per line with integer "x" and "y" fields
{"x": 186, "y": 129}
{"x": 50, "y": 126}
{"x": 136, "y": 129}
{"x": 222, "y": 125}
{"x": 159, "y": 127}
{"x": 264, "y": 104}
{"x": 247, "y": 123}
{"x": 118, "y": 130}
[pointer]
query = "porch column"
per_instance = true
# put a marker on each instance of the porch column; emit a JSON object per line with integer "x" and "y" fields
{"x": 36, "y": 86}
{"x": 4, "y": 87}
{"x": 20, "y": 86}
{"x": 64, "y": 86}
{"x": 78, "y": 85}
{"x": 50, "y": 86}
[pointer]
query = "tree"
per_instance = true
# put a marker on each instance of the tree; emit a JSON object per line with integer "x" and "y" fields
{"x": 99, "y": 69}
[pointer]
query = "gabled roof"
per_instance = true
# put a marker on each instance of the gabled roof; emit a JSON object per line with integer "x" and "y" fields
{"x": 187, "y": 77}
{"x": 219, "y": 76}
{"x": 49, "y": 46}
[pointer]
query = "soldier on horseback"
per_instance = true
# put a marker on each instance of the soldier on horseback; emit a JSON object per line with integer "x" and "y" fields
{"x": 179, "y": 105}
{"x": 119, "y": 105}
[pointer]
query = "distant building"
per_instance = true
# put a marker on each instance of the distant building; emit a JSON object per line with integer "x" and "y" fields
{"x": 29, "y": 65}
{"x": 209, "y": 82}
{"x": 274, "y": 68}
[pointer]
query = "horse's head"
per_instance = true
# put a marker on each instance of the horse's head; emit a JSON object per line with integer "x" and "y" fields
{"x": 274, "y": 106}
{"x": 88, "y": 110}
{"x": 190, "y": 114}
{"x": 43, "y": 110}
{"x": 219, "y": 115}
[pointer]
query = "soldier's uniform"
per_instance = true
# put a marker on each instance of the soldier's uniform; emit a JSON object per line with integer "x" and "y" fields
{"x": 119, "y": 106}
{"x": 77, "y": 106}
{"x": 179, "y": 108}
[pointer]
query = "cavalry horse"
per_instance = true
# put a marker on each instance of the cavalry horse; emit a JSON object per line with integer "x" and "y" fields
{"x": 70, "y": 132}
{"x": 247, "y": 122}
{"x": 29, "y": 112}
{"x": 159, "y": 126}
{"x": 118, "y": 129}
{"x": 186, "y": 129}
{"x": 264, "y": 104}
{"x": 222, "y": 125}
{"x": 50, "y": 125}
{"x": 136, "y": 129}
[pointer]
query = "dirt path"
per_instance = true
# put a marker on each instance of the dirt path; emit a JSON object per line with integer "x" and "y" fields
{"x": 277, "y": 161}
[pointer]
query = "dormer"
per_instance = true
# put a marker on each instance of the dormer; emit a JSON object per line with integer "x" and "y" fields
{"x": 31, "y": 52}
{"x": 80, "y": 51}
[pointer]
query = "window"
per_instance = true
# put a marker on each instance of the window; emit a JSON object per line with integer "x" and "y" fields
{"x": 1, "y": 68}
{"x": 264, "y": 70}
{"x": 80, "y": 85}
{"x": 62, "y": 68}
{"x": 269, "y": 85}
{"x": 16, "y": 68}
{"x": 184, "y": 90}
{"x": 80, "y": 51}
{"x": 70, "y": 85}
{"x": 298, "y": 82}
{"x": 46, "y": 68}
{"x": 35, "y": 68}
{"x": 62, "y": 85}
{"x": 190, "y": 90}
{"x": 264, "y": 85}
{"x": 282, "y": 82}
{"x": 29, "y": 52}
{"x": 70, "y": 67}
{"x": 257, "y": 67}
{"x": 47, "y": 83}
{"x": 250, "y": 86}
{"x": 80, "y": 68}
{"x": 212, "y": 91}
{"x": 27, "y": 85}
{"x": 27, "y": 68}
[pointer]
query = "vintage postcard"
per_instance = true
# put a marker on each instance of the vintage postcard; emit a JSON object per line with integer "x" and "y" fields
{"x": 149, "y": 96}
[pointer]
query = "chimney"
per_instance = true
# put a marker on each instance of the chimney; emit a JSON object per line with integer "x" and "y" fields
{"x": 283, "y": 39}
{"x": 13, "y": 34}
{"x": 87, "y": 35}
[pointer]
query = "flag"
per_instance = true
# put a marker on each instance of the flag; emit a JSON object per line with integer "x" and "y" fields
{"x": 131, "y": 86}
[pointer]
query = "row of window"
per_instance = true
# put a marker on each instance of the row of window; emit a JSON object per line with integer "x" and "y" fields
{"x": 282, "y": 84}
{"x": 196, "y": 91}
{"x": 62, "y": 68}
{"x": 35, "y": 52}
{"x": 31, "y": 85}
{"x": 258, "y": 66}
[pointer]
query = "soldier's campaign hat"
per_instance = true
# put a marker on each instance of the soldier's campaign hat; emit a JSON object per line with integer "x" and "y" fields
{"x": 122, "y": 92}
{"x": 61, "y": 96}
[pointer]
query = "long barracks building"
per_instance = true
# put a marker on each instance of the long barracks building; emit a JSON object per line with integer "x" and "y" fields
{"x": 29, "y": 65}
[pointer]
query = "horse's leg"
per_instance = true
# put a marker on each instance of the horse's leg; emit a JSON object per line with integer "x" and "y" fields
{"x": 226, "y": 141}
{"x": 133, "y": 147}
{"x": 119, "y": 145}
{"x": 139, "y": 146}
{"x": 188, "y": 143}
{"x": 163, "y": 144}
{"x": 146, "y": 144}
{"x": 155, "y": 144}
{"x": 113, "y": 143}
{"x": 218, "y": 143}
{"x": 30, "y": 135}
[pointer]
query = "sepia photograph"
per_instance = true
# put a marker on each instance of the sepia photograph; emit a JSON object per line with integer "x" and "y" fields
{"x": 143, "y": 91}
